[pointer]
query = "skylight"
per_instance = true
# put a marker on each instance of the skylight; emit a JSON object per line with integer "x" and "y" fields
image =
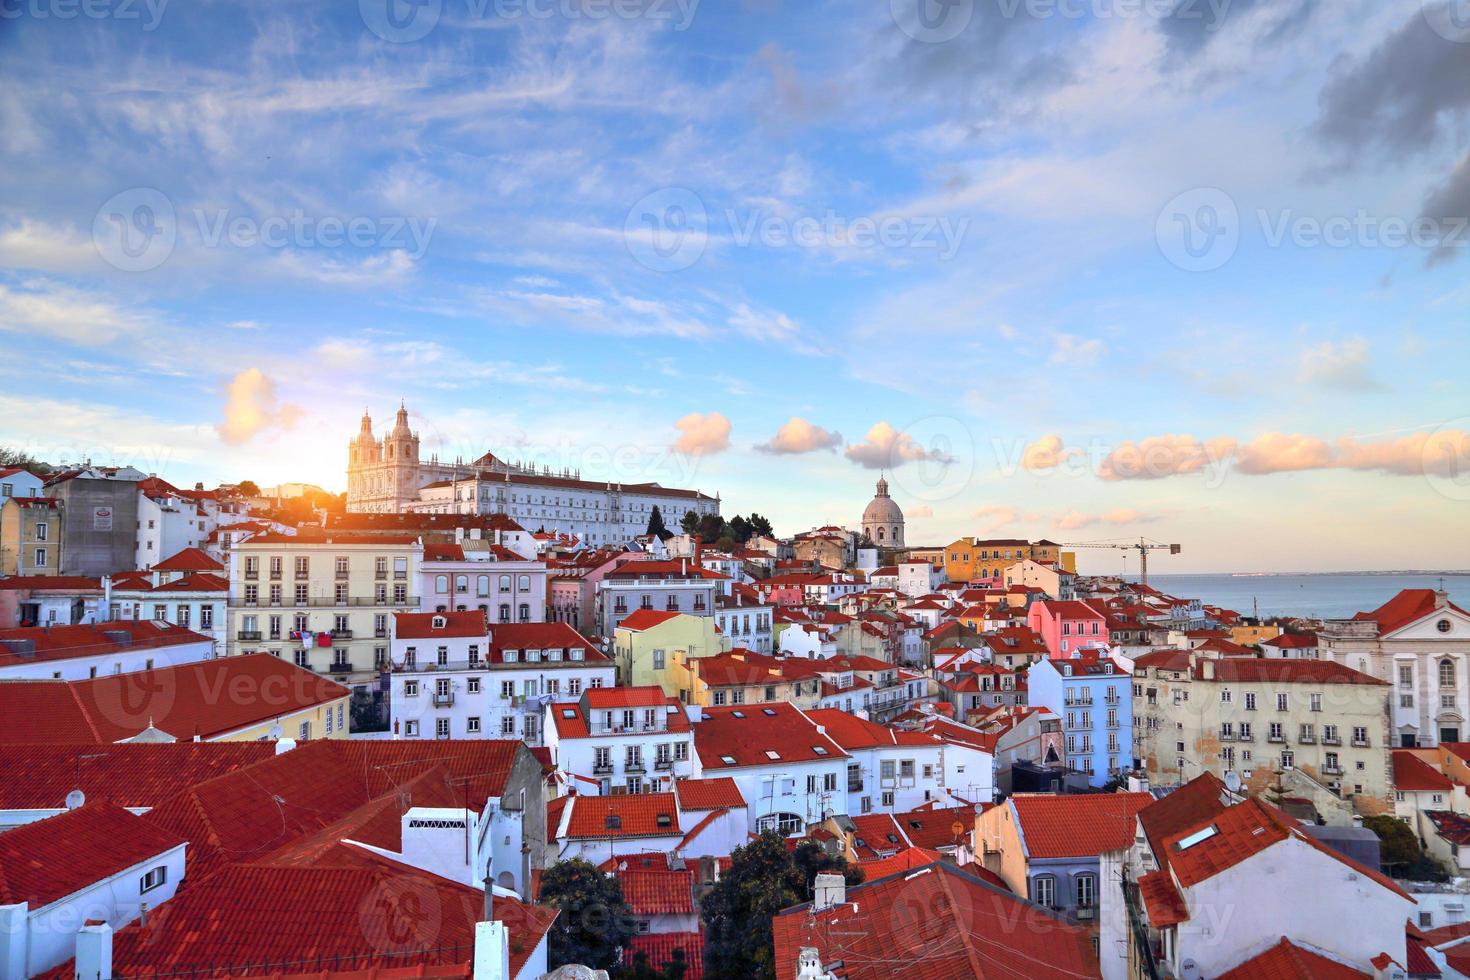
{"x": 1198, "y": 837}
{"x": 727, "y": 760}
{"x": 772, "y": 754}
{"x": 819, "y": 750}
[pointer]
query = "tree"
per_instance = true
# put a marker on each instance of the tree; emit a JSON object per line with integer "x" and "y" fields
{"x": 19, "y": 458}
{"x": 760, "y": 526}
{"x": 1399, "y": 851}
{"x": 711, "y": 527}
{"x": 656, "y": 525}
{"x": 640, "y": 969}
{"x": 690, "y": 522}
{"x": 248, "y": 488}
{"x": 595, "y": 923}
{"x": 763, "y": 879}
{"x": 739, "y": 529}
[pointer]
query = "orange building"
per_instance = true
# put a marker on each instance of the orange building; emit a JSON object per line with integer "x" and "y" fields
{"x": 985, "y": 560}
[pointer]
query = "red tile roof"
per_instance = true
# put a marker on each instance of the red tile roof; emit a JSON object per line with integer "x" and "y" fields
{"x": 1288, "y": 961}
{"x": 1240, "y": 832}
{"x": 1412, "y": 774}
{"x": 1083, "y": 825}
{"x": 59, "y": 583}
{"x": 646, "y": 619}
{"x": 1406, "y": 607}
{"x": 134, "y": 774}
{"x": 1451, "y": 826}
{"x": 760, "y": 735}
{"x": 260, "y": 919}
{"x": 189, "y": 560}
{"x": 1161, "y": 900}
{"x": 905, "y": 860}
{"x": 708, "y": 794}
{"x": 421, "y": 625}
{"x": 29, "y": 644}
{"x": 49, "y": 859}
{"x": 933, "y": 829}
{"x": 852, "y": 732}
{"x": 660, "y": 947}
{"x": 209, "y": 698}
{"x": 443, "y": 552}
{"x": 634, "y": 815}
{"x": 1285, "y": 672}
{"x": 658, "y": 892}
{"x": 933, "y": 923}
{"x": 1197, "y": 801}
{"x": 600, "y": 698}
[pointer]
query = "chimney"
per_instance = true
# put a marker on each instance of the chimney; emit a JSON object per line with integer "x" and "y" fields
{"x": 284, "y": 745}
{"x": 94, "y": 951}
{"x": 830, "y": 890}
{"x": 489, "y": 912}
{"x": 1207, "y": 668}
{"x": 492, "y": 951}
{"x": 1441, "y": 598}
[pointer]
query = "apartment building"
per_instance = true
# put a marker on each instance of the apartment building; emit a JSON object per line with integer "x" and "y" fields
{"x": 31, "y": 535}
{"x": 619, "y": 740}
{"x": 323, "y": 601}
{"x": 454, "y": 676}
{"x": 1195, "y": 714}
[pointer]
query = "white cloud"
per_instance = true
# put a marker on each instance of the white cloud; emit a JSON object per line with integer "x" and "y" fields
{"x": 251, "y": 407}
{"x": 800, "y": 436}
{"x": 51, "y": 309}
{"x": 702, "y": 435}
{"x": 885, "y": 447}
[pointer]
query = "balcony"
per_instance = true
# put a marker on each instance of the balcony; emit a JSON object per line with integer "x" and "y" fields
{"x": 1360, "y": 743}
{"x": 341, "y": 634}
{"x": 342, "y": 575}
{"x": 330, "y": 602}
{"x": 1078, "y": 702}
{"x": 636, "y": 766}
{"x": 380, "y": 634}
{"x": 1332, "y": 770}
{"x": 445, "y": 700}
{"x": 1331, "y": 740}
{"x": 1245, "y": 737}
{"x": 341, "y": 667}
{"x": 1281, "y": 739}
{"x": 1307, "y": 738}
{"x": 602, "y": 768}
{"x": 663, "y": 764}
{"x": 248, "y": 635}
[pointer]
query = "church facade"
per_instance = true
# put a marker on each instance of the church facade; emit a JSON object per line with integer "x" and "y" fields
{"x": 388, "y": 476}
{"x": 883, "y": 520}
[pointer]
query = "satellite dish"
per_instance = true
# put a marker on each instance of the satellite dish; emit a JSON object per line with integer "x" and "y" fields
{"x": 957, "y": 828}
{"x": 276, "y": 732}
{"x": 1232, "y": 781}
{"x": 75, "y": 799}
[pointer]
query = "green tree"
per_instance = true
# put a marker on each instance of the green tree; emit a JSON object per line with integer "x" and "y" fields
{"x": 739, "y": 529}
{"x": 763, "y": 879}
{"x": 594, "y": 924}
{"x": 711, "y": 528}
{"x": 656, "y": 525}
{"x": 760, "y": 526}
{"x": 690, "y": 522}
{"x": 16, "y": 457}
{"x": 640, "y": 969}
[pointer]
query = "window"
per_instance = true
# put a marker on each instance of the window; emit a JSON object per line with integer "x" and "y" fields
{"x": 40, "y": 556}
{"x": 1250, "y": 701}
{"x": 411, "y": 729}
{"x": 1446, "y": 673}
{"x": 1316, "y": 701}
{"x": 1406, "y": 676}
{"x": 1044, "y": 891}
{"x": 410, "y": 689}
{"x": 1283, "y": 702}
{"x": 508, "y": 725}
{"x": 441, "y": 728}
{"x": 472, "y": 726}
{"x": 1086, "y": 891}
{"x": 472, "y": 685}
{"x": 155, "y": 877}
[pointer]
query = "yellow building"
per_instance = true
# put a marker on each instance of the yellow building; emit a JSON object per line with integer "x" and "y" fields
{"x": 30, "y": 536}
{"x": 743, "y": 677}
{"x": 648, "y": 642}
{"x": 322, "y": 601}
{"x": 982, "y": 559}
{"x": 1253, "y": 635}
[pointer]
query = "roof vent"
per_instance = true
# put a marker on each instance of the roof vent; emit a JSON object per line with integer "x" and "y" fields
{"x": 613, "y": 822}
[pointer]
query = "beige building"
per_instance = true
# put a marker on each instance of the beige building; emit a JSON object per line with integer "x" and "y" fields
{"x": 1419, "y": 642}
{"x": 1050, "y": 577}
{"x": 1193, "y": 713}
{"x": 322, "y": 601}
{"x": 30, "y": 536}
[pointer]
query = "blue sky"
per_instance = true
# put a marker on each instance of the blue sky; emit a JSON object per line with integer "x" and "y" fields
{"x": 642, "y": 245}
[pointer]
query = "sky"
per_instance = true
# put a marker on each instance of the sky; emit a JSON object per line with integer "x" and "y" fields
{"x": 1191, "y": 270}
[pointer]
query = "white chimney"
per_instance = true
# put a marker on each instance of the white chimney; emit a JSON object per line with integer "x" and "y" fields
{"x": 284, "y": 745}
{"x": 809, "y": 965}
{"x": 94, "y": 951}
{"x": 492, "y": 951}
{"x": 830, "y": 890}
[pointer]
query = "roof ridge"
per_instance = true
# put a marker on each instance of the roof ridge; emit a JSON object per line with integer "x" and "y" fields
{"x": 71, "y": 690}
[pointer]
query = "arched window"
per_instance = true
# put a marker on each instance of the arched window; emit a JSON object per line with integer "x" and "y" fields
{"x": 1044, "y": 891}
{"x": 880, "y": 534}
{"x": 1446, "y": 673}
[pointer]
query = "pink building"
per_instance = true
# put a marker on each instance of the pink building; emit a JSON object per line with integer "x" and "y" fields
{"x": 1067, "y": 626}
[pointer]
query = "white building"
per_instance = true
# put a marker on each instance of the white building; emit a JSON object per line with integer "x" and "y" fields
{"x": 101, "y": 862}
{"x": 619, "y": 740}
{"x": 789, "y": 771}
{"x": 495, "y": 580}
{"x": 698, "y": 818}
{"x": 745, "y": 621}
{"x": 668, "y": 586}
{"x": 188, "y": 589}
{"x": 892, "y": 771}
{"x": 455, "y": 677}
{"x": 17, "y": 482}
{"x": 388, "y": 476}
{"x": 77, "y": 653}
{"x": 919, "y": 578}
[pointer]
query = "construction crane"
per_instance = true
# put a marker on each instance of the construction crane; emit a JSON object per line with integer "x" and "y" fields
{"x": 1143, "y": 547}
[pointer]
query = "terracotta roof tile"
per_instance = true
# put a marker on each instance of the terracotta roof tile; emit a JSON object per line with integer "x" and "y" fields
{"x": 660, "y": 947}
{"x": 634, "y": 815}
{"x": 708, "y": 794}
{"x": 760, "y": 735}
{"x": 1412, "y": 774}
{"x": 658, "y": 892}
{"x": 1077, "y": 826}
{"x": 49, "y": 859}
{"x": 1288, "y": 961}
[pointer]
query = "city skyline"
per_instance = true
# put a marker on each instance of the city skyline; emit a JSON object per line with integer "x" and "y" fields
{"x": 769, "y": 253}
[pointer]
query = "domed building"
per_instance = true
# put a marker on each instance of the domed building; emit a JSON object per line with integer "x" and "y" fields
{"x": 883, "y": 520}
